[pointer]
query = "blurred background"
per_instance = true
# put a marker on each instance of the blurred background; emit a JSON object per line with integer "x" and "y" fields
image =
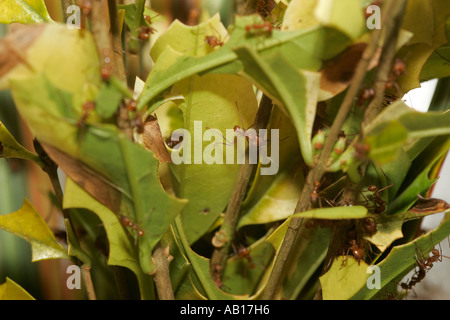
{"x": 20, "y": 179}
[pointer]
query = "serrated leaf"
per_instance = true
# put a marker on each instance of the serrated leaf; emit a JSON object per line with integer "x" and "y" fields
{"x": 296, "y": 90}
{"x": 314, "y": 44}
{"x": 402, "y": 258}
{"x": 10, "y": 148}
{"x": 29, "y": 225}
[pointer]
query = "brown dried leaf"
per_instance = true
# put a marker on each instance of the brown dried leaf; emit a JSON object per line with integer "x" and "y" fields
{"x": 91, "y": 182}
{"x": 338, "y": 72}
{"x": 153, "y": 139}
{"x": 431, "y": 205}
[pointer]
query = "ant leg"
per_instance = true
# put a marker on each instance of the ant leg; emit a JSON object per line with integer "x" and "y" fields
{"x": 227, "y": 143}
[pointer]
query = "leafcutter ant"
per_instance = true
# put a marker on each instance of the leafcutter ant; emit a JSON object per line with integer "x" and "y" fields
{"x": 379, "y": 205}
{"x": 259, "y": 28}
{"x": 87, "y": 107}
{"x": 398, "y": 69}
{"x": 365, "y": 95}
{"x": 213, "y": 41}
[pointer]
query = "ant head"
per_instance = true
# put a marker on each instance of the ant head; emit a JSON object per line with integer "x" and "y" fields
{"x": 372, "y": 188}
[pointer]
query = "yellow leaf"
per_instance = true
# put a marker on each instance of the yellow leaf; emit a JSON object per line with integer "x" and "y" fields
{"x": 29, "y": 225}
{"x": 12, "y": 291}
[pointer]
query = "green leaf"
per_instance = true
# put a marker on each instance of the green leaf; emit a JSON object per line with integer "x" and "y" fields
{"x": 344, "y": 279}
{"x": 212, "y": 100}
{"x": 200, "y": 266}
{"x": 118, "y": 163}
{"x": 332, "y": 213}
{"x": 401, "y": 259}
{"x": 24, "y": 11}
{"x": 173, "y": 66}
{"x": 344, "y": 15}
{"x": 29, "y": 225}
{"x": 122, "y": 247}
{"x": 10, "y": 148}
{"x": 108, "y": 100}
{"x": 243, "y": 274}
{"x": 296, "y": 90}
{"x": 12, "y": 291}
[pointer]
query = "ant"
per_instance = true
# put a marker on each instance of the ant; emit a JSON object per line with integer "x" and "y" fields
{"x": 213, "y": 41}
{"x": 126, "y": 222}
{"x": 398, "y": 69}
{"x": 131, "y": 105}
{"x": 265, "y": 27}
{"x": 86, "y": 8}
{"x": 379, "y": 203}
{"x": 365, "y": 95}
{"x": 369, "y": 225}
{"x": 357, "y": 250}
{"x": 314, "y": 195}
{"x": 106, "y": 70}
{"x": 244, "y": 252}
{"x": 361, "y": 151}
{"x": 427, "y": 263}
{"x": 251, "y": 135}
{"x": 87, "y": 107}
{"x": 145, "y": 31}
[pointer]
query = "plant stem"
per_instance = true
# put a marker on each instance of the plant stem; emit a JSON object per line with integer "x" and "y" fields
{"x": 393, "y": 25}
{"x": 319, "y": 170}
{"x": 227, "y": 230}
{"x": 86, "y": 272}
{"x": 162, "y": 276}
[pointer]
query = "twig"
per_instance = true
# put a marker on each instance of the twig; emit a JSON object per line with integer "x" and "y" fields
{"x": 320, "y": 169}
{"x": 393, "y": 25}
{"x": 227, "y": 230}
{"x": 161, "y": 258}
{"x": 86, "y": 272}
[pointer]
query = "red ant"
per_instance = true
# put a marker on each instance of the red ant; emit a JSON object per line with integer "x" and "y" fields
{"x": 244, "y": 252}
{"x": 145, "y": 31}
{"x": 265, "y": 27}
{"x": 87, "y": 107}
{"x": 369, "y": 225}
{"x": 213, "y": 41}
{"x": 126, "y": 222}
{"x": 86, "y": 8}
{"x": 106, "y": 70}
{"x": 314, "y": 196}
{"x": 379, "y": 203}
{"x": 361, "y": 150}
{"x": 398, "y": 69}
{"x": 131, "y": 105}
{"x": 366, "y": 94}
